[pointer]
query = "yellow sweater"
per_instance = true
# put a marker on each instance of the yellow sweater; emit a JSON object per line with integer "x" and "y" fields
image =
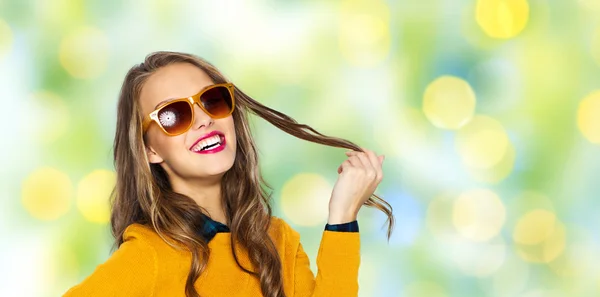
{"x": 144, "y": 265}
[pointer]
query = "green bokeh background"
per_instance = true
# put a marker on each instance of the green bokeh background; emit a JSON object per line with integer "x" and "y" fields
{"x": 351, "y": 69}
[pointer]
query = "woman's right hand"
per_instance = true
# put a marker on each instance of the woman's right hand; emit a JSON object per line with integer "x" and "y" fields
{"x": 358, "y": 178}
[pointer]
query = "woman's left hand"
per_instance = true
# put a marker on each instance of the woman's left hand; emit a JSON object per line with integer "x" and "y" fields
{"x": 358, "y": 178}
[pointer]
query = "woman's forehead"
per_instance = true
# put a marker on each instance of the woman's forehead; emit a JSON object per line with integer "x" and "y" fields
{"x": 170, "y": 82}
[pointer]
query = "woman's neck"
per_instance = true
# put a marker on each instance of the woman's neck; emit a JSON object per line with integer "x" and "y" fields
{"x": 206, "y": 195}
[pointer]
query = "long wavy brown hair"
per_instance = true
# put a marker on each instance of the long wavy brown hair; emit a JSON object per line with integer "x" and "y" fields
{"x": 144, "y": 195}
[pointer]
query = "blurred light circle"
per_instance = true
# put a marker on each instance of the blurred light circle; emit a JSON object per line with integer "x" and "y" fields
{"x": 93, "y": 194}
{"x": 555, "y": 244}
{"x": 540, "y": 237}
{"x": 497, "y": 172}
{"x": 305, "y": 199}
{"x": 479, "y": 259}
{"x": 449, "y": 102}
{"x": 46, "y": 193}
{"x": 364, "y": 32}
{"x": 502, "y": 18}
{"x": 588, "y": 117}
{"x": 534, "y": 227}
{"x": 472, "y": 33}
{"x": 548, "y": 250}
{"x": 478, "y": 215}
{"x": 49, "y": 111}
{"x": 482, "y": 143}
{"x": 6, "y": 39}
{"x": 84, "y": 52}
{"x": 423, "y": 289}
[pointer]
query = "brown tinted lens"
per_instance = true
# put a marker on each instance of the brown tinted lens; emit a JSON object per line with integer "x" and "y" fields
{"x": 217, "y": 101}
{"x": 176, "y": 117}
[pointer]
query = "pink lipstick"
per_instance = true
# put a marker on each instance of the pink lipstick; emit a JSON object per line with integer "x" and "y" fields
{"x": 210, "y": 143}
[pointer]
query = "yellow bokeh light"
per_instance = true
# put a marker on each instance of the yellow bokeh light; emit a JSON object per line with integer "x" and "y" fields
{"x": 482, "y": 143}
{"x": 473, "y": 33}
{"x": 84, "y": 52}
{"x": 555, "y": 243}
{"x": 423, "y": 289}
{"x": 548, "y": 250}
{"x": 46, "y": 193}
{"x": 364, "y": 32}
{"x": 540, "y": 236}
{"x": 497, "y": 172}
{"x": 588, "y": 117}
{"x": 478, "y": 215}
{"x": 305, "y": 199}
{"x": 449, "y": 102}
{"x": 49, "y": 111}
{"x": 534, "y": 227}
{"x": 529, "y": 206}
{"x": 93, "y": 194}
{"x": 502, "y": 18}
{"x": 6, "y": 39}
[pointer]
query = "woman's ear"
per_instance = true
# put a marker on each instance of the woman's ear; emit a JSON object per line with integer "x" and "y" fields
{"x": 153, "y": 157}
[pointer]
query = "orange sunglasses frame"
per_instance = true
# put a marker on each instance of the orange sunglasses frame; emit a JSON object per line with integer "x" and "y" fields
{"x": 153, "y": 116}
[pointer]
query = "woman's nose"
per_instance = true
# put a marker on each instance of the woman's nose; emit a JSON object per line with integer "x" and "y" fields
{"x": 201, "y": 118}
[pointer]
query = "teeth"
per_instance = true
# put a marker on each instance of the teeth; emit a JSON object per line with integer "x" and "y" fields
{"x": 206, "y": 142}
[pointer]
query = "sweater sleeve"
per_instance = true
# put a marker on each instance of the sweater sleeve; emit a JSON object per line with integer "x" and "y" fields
{"x": 338, "y": 261}
{"x": 130, "y": 271}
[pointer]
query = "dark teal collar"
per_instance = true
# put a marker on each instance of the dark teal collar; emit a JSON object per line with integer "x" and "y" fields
{"x": 211, "y": 227}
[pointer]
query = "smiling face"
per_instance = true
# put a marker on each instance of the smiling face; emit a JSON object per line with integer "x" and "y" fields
{"x": 178, "y": 154}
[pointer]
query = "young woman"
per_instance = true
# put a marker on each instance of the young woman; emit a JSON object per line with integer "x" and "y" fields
{"x": 190, "y": 213}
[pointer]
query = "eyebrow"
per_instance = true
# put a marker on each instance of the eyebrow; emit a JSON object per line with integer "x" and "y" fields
{"x": 165, "y": 101}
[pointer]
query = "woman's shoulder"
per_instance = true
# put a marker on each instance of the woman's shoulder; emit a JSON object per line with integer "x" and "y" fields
{"x": 279, "y": 225}
{"x": 146, "y": 235}
{"x": 138, "y": 231}
{"x": 281, "y": 230}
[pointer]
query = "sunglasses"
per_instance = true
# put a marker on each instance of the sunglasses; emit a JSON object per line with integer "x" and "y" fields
{"x": 176, "y": 116}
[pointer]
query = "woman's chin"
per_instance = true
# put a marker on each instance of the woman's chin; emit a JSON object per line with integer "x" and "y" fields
{"x": 215, "y": 171}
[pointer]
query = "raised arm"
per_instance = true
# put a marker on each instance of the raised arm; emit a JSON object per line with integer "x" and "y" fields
{"x": 338, "y": 261}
